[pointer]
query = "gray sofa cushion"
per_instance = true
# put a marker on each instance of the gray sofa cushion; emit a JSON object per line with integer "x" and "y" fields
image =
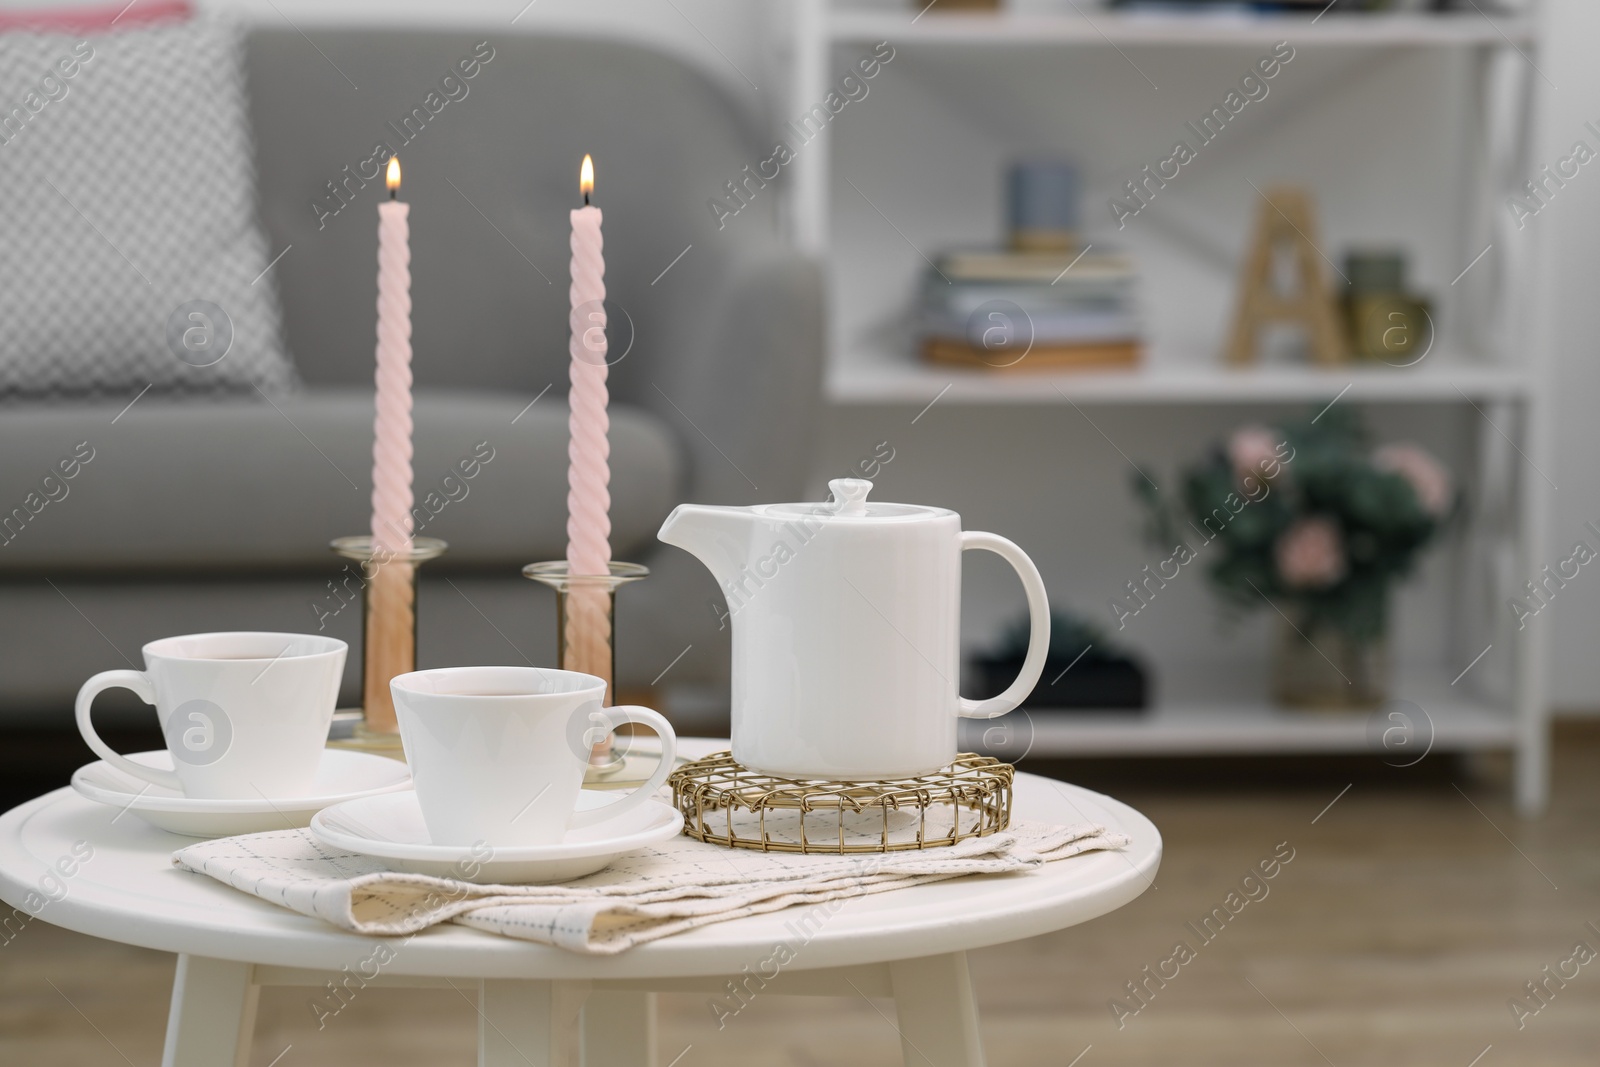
{"x": 491, "y": 179}
{"x": 726, "y": 344}
{"x": 256, "y": 486}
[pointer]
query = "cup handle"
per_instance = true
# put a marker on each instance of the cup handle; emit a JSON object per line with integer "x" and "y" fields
{"x": 1038, "y": 634}
{"x": 669, "y": 752}
{"x": 140, "y": 684}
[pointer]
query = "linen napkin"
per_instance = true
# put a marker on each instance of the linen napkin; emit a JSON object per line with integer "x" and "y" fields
{"x": 642, "y": 896}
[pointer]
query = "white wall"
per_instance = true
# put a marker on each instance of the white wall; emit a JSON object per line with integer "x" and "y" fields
{"x": 1571, "y": 224}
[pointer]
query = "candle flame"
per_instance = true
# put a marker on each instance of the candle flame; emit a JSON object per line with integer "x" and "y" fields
{"x": 392, "y": 178}
{"x": 586, "y": 178}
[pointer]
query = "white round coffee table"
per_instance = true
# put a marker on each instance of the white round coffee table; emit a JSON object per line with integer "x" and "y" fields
{"x": 544, "y": 1005}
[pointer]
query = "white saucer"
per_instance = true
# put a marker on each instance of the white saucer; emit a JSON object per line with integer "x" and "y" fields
{"x": 342, "y": 775}
{"x": 390, "y": 828}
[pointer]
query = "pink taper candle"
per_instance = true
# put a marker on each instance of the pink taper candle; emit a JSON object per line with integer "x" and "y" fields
{"x": 391, "y": 611}
{"x": 391, "y": 446}
{"x": 587, "y": 628}
{"x": 589, "y": 451}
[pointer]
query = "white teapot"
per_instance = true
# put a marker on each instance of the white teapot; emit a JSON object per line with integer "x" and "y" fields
{"x": 846, "y": 630}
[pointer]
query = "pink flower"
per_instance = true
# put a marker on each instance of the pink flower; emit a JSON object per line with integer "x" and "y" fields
{"x": 1310, "y": 554}
{"x": 1253, "y": 452}
{"x": 1427, "y": 478}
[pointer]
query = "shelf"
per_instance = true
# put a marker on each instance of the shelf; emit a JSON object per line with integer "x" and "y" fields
{"x": 924, "y": 171}
{"x": 866, "y": 376}
{"x": 1110, "y": 28}
{"x": 1244, "y": 726}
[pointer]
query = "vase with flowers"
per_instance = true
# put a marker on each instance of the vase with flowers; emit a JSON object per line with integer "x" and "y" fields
{"x": 1311, "y": 519}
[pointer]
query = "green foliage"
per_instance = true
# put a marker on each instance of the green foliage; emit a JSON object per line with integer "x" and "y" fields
{"x": 1234, "y": 524}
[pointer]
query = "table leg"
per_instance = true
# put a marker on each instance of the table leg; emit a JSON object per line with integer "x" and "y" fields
{"x": 213, "y": 1014}
{"x": 938, "y": 1013}
{"x": 619, "y": 1029}
{"x": 529, "y": 1022}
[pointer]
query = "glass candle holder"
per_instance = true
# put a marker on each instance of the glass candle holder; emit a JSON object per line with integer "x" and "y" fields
{"x": 388, "y": 628}
{"x": 585, "y": 628}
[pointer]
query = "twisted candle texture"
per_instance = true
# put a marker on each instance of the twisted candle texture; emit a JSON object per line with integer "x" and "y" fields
{"x": 589, "y": 450}
{"x": 391, "y": 445}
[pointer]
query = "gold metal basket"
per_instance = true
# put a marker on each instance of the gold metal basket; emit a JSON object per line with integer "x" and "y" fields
{"x": 724, "y": 803}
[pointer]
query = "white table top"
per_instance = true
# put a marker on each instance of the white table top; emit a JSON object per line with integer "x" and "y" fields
{"x": 130, "y": 892}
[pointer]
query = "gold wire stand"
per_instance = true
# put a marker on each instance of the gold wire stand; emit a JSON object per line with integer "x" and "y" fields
{"x": 724, "y": 803}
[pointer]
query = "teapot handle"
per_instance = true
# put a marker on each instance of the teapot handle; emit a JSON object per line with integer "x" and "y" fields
{"x": 1038, "y": 634}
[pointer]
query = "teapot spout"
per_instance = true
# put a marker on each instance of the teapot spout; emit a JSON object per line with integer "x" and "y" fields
{"x": 719, "y": 537}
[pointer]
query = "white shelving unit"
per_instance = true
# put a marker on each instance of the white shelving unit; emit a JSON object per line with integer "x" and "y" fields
{"x": 878, "y": 376}
{"x": 1246, "y": 723}
{"x": 1489, "y": 353}
{"x": 1097, "y": 27}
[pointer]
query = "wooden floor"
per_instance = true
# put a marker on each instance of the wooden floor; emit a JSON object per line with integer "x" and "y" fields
{"x": 1410, "y": 915}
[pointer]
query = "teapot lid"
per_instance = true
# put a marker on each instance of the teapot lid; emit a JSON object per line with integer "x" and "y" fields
{"x": 850, "y": 502}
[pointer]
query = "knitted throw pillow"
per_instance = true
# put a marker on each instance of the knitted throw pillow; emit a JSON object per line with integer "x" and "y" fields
{"x": 132, "y": 258}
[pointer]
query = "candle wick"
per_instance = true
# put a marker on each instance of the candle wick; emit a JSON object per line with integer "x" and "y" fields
{"x": 394, "y": 193}
{"x": 585, "y": 199}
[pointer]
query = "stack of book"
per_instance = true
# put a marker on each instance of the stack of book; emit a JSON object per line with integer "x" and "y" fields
{"x": 1031, "y": 310}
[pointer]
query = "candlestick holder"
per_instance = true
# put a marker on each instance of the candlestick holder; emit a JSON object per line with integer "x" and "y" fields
{"x": 388, "y": 633}
{"x": 585, "y": 625}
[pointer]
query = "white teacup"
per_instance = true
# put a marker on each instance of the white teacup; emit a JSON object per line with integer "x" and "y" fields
{"x": 498, "y": 754}
{"x": 245, "y": 715}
